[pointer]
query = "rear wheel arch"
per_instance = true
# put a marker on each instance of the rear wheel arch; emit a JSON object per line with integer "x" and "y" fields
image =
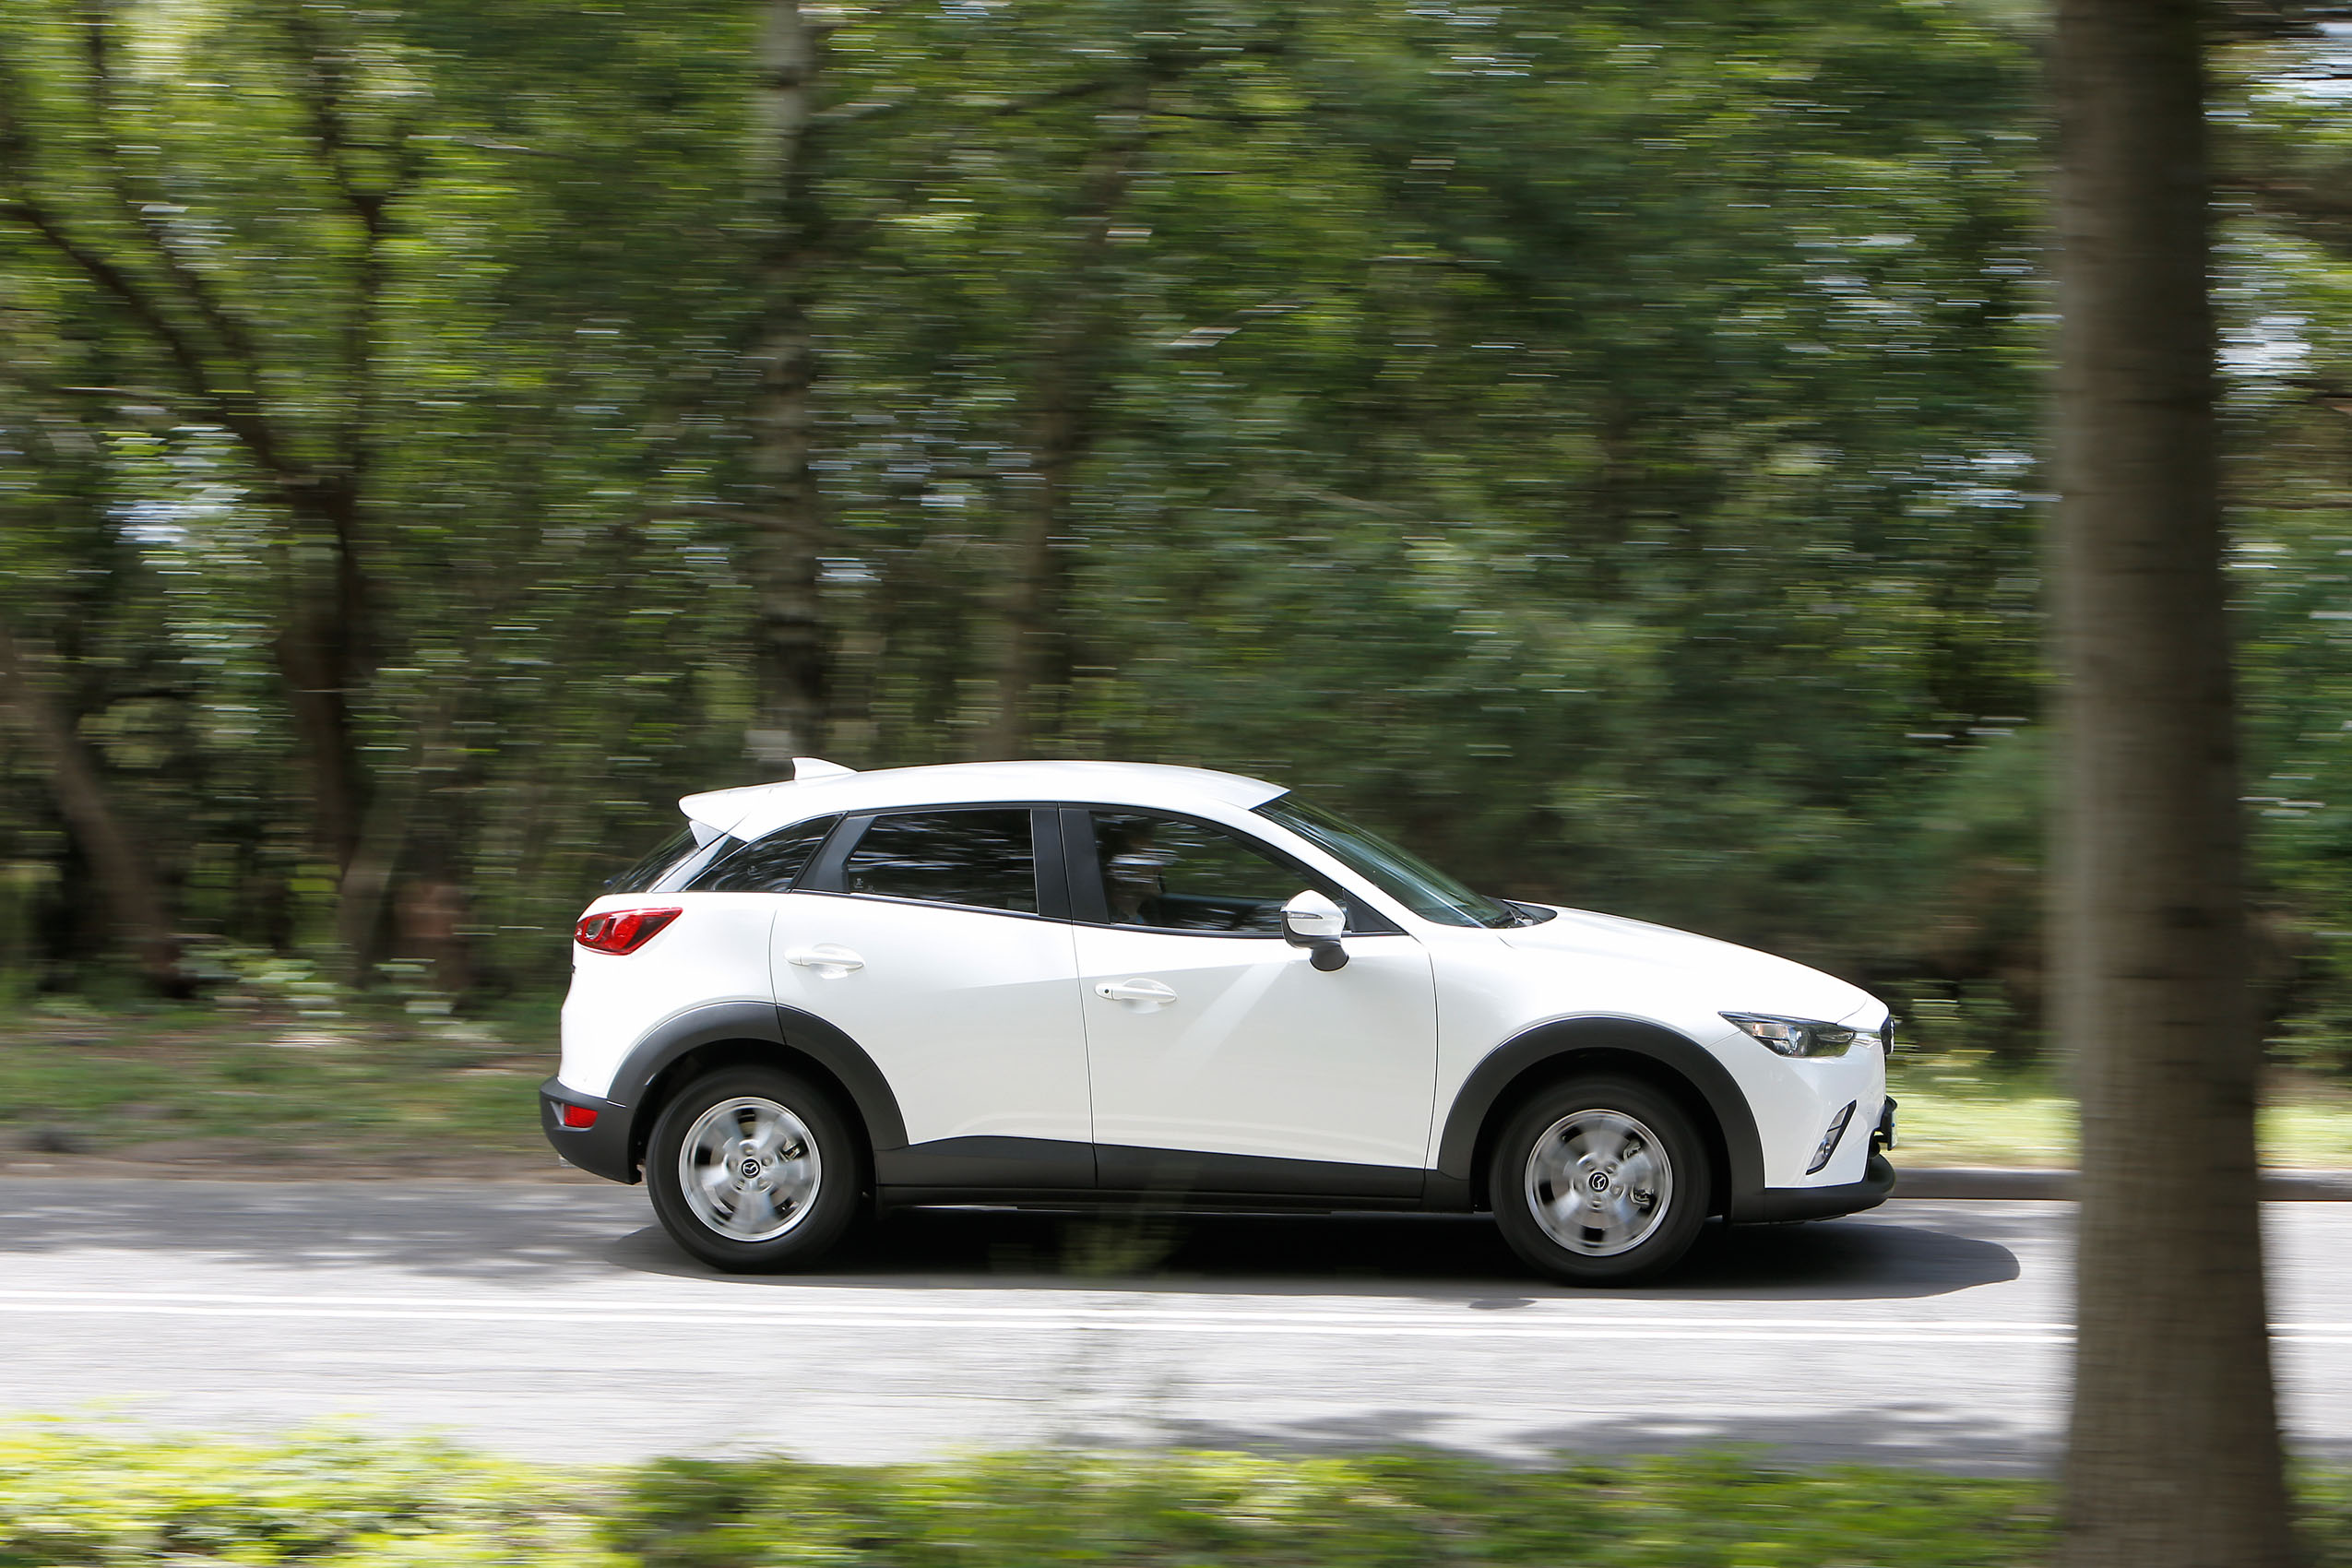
{"x": 1626, "y": 1046}
{"x": 708, "y": 1039}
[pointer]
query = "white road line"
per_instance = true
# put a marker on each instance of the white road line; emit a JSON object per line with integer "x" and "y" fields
{"x": 1586, "y": 1333}
{"x": 1520, "y": 1323}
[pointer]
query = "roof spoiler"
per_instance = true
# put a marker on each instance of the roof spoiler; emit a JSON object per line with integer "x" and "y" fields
{"x": 724, "y": 808}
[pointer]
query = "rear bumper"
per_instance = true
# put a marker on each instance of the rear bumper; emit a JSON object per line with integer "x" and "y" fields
{"x": 602, "y": 1150}
{"x": 1774, "y": 1204}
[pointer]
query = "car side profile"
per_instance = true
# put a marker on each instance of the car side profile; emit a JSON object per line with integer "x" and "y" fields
{"x": 1072, "y": 984}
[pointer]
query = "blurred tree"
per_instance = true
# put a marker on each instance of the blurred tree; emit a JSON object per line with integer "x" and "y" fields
{"x": 1595, "y": 445}
{"x": 2174, "y": 1455}
{"x": 294, "y": 388}
{"x": 62, "y": 540}
{"x": 793, "y": 652}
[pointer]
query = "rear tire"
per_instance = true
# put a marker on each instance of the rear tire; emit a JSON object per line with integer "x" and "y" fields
{"x": 754, "y": 1169}
{"x": 1600, "y": 1181}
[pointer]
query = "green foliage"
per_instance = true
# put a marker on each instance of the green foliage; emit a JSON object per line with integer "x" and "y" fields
{"x": 250, "y": 1088}
{"x": 71, "y": 1500}
{"x": 1401, "y": 1510}
{"x": 1597, "y": 445}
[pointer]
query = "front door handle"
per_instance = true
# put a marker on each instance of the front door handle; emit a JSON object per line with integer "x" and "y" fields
{"x": 829, "y": 960}
{"x": 1136, "y": 995}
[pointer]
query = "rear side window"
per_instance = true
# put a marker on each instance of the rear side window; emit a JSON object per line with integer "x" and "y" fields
{"x": 980, "y": 859}
{"x": 768, "y": 865}
{"x": 664, "y": 858}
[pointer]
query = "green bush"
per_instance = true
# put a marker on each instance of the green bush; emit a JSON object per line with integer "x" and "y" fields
{"x": 72, "y": 1500}
{"x": 1392, "y": 1511}
{"x": 69, "y": 1498}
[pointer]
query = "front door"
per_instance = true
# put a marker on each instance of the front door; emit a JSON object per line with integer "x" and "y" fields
{"x": 1221, "y": 1058}
{"x": 919, "y": 935}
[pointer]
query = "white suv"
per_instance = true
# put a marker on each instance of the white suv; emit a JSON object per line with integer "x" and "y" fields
{"x": 1068, "y": 983}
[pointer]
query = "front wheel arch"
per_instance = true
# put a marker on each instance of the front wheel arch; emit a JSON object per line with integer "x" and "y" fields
{"x": 1673, "y": 1063}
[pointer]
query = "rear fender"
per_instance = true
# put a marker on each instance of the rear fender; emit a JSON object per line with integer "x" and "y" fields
{"x": 647, "y": 1076}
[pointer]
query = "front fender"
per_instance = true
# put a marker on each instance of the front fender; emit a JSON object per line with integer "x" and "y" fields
{"x": 1742, "y": 1150}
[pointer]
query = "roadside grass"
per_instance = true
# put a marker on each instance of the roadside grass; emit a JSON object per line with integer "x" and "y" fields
{"x": 375, "y": 1088}
{"x": 260, "y": 1087}
{"x": 1956, "y": 1110}
{"x": 72, "y": 1500}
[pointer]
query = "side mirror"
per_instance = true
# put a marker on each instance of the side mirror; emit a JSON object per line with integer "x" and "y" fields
{"x": 1314, "y": 922}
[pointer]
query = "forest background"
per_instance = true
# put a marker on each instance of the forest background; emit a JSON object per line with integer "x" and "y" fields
{"x": 1598, "y": 444}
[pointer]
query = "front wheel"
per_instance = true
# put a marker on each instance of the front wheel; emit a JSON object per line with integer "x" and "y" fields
{"x": 753, "y": 1169}
{"x": 1599, "y": 1180}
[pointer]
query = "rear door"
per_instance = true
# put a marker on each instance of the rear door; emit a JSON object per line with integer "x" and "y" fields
{"x": 1221, "y": 1060}
{"x": 922, "y": 935}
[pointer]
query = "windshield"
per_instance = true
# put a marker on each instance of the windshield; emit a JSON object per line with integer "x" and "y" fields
{"x": 1400, "y": 873}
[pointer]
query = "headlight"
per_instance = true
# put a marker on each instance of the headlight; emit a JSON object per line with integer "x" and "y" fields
{"x": 1795, "y": 1037}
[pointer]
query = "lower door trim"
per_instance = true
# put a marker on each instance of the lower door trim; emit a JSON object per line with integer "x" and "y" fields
{"x": 1189, "y": 1173}
{"x": 1055, "y": 1172}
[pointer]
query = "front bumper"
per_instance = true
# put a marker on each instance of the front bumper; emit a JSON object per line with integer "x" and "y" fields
{"x": 1776, "y": 1205}
{"x": 602, "y": 1150}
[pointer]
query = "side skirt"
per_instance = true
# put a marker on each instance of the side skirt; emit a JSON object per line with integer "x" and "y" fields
{"x": 1056, "y": 1174}
{"x": 1095, "y": 1201}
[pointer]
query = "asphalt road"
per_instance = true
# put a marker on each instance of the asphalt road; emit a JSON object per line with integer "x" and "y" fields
{"x": 555, "y": 1321}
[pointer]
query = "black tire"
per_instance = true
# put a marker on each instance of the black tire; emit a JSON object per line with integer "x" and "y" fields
{"x": 1622, "y": 1130}
{"x": 808, "y": 1216}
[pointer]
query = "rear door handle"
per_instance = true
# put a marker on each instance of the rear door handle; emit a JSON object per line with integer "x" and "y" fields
{"x": 829, "y": 960}
{"x": 1136, "y": 995}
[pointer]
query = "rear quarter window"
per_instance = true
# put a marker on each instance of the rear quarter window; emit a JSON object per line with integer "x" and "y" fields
{"x": 770, "y": 864}
{"x": 655, "y": 863}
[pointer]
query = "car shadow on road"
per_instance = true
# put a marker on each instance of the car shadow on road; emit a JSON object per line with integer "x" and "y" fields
{"x": 1359, "y": 1255}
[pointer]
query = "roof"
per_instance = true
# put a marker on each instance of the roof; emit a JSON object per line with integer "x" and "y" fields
{"x": 758, "y": 809}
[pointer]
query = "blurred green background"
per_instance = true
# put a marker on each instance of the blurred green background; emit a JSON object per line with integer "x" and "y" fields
{"x": 1596, "y": 443}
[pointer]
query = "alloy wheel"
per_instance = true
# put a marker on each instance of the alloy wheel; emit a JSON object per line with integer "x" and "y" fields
{"x": 1598, "y": 1183}
{"x": 749, "y": 1168}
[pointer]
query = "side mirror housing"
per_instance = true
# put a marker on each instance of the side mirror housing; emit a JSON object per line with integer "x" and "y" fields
{"x": 1314, "y": 922}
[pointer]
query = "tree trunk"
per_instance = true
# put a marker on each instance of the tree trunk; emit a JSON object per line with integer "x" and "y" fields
{"x": 1065, "y": 385}
{"x": 2174, "y": 1456}
{"x": 321, "y": 650}
{"x": 1033, "y": 585}
{"x": 134, "y": 902}
{"x": 792, "y": 660}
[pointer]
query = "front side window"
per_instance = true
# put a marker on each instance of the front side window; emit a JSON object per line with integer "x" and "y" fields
{"x": 770, "y": 864}
{"x": 1169, "y": 874}
{"x": 979, "y": 859}
{"x": 1398, "y": 871}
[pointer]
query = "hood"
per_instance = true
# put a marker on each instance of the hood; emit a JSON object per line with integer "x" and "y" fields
{"x": 1738, "y": 979}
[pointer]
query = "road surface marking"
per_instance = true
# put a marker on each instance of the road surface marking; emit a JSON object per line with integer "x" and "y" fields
{"x": 1533, "y": 1321}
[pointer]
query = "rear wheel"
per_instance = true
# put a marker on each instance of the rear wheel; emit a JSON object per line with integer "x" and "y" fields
{"x": 1599, "y": 1180}
{"x": 753, "y": 1169}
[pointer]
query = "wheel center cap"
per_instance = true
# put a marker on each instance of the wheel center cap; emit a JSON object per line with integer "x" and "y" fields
{"x": 751, "y": 1168}
{"x": 1598, "y": 1182}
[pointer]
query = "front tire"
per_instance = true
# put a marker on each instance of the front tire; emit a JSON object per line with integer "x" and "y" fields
{"x": 753, "y": 1170}
{"x": 1600, "y": 1181}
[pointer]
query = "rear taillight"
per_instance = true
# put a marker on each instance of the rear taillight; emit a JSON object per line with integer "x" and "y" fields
{"x": 621, "y": 931}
